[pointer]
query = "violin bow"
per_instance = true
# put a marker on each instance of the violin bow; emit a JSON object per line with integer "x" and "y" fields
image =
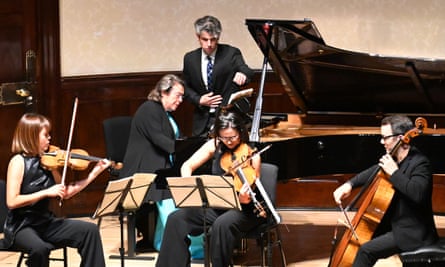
{"x": 68, "y": 147}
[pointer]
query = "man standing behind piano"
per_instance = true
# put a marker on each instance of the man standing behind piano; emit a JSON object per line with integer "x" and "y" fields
{"x": 211, "y": 74}
{"x": 408, "y": 222}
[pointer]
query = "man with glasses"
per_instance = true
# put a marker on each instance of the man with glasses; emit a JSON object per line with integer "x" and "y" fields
{"x": 408, "y": 222}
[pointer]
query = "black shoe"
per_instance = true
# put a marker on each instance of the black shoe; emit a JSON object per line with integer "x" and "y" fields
{"x": 144, "y": 245}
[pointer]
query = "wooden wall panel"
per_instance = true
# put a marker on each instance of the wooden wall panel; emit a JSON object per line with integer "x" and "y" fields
{"x": 100, "y": 97}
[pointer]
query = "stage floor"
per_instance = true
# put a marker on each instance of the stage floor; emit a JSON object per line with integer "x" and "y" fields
{"x": 307, "y": 237}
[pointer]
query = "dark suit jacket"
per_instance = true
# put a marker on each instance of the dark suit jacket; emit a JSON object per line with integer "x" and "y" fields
{"x": 228, "y": 61}
{"x": 410, "y": 214}
{"x": 151, "y": 140}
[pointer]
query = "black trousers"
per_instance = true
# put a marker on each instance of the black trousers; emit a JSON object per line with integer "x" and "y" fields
{"x": 84, "y": 236}
{"x": 380, "y": 247}
{"x": 226, "y": 230}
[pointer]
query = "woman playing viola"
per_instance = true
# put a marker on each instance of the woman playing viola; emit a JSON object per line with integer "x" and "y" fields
{"x": 30, "y": 225}
{"x": 228, "y": 226}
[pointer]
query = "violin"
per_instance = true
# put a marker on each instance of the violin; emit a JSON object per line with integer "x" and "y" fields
{"x": 238, "y": 164}
{"x": 230, "y": 161}
{"x": 79, "y": 159}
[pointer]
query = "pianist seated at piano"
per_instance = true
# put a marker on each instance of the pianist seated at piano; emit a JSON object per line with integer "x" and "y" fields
{"x": 151, "y": 146}
{"x": 230, "y": 136}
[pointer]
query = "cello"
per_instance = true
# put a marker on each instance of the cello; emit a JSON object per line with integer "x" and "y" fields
{"x": 376, "y": 198}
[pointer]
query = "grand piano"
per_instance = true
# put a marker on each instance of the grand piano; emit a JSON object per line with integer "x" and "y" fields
{"x": 340, "y": 97}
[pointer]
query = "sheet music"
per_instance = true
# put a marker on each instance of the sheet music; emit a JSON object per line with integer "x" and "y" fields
{"x": 239, "y": 94}
{"x": 219, "y": 191}
{"x": 112, "y": 196}
{"x": 138, "y": 190}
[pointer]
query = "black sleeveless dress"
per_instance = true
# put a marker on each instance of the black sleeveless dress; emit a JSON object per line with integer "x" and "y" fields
{"x": 37, "y": 215}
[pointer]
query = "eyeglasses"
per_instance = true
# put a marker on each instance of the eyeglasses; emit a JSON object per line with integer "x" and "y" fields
{"x": 229, "y": 138}
{"x": 384, "y": 138}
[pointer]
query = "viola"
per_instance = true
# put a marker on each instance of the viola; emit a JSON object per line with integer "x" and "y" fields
{"x": 375, "y": 201}
{"x": 239, "y": 165}
{"x": 79, "y": 159}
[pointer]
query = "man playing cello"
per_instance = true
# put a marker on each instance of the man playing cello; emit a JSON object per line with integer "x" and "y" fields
{"x": 408, "y": 222}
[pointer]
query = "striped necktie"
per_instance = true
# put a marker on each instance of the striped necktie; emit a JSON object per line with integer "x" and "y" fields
{"x": 209, "y": 73}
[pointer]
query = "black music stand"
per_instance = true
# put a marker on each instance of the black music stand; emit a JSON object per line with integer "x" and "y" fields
{"x": 112, "y": 201}
{"x": 204, "y": 191}
{"x": 130, "y": 200}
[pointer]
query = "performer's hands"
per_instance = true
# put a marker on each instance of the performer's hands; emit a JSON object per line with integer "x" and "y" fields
{"x": 57, "y": 190}
{"x": 243, "y": 195}
{"x": 100, "y": 166}
{"x": 77, "y": 186}
{"x": 210, "y": 100}
{"x": 388, "y": 164}
{"x": 239, "y": 78}
{"x": 342, "y": 192}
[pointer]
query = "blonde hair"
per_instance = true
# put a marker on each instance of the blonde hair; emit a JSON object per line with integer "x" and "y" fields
{"x": 26, "y": 136}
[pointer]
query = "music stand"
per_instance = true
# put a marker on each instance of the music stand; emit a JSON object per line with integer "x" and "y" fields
{"x": 130, "y": 200}
{"x": 112, "y": 201}
{"x": 204, "y": 191}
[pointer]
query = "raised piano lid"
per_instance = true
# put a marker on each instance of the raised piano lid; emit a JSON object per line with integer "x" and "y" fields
{"x": 322, "y": 79}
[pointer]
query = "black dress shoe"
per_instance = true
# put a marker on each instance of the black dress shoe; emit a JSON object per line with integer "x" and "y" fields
{"x": 144, "y": 245}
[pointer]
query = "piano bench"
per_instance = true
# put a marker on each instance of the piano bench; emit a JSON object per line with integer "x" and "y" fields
{"x": 431, "y": 256}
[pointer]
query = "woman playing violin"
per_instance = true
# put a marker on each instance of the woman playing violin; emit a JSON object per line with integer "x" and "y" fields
{"x": 227, "y": 225}
{"x": 30, "y": 225}
{"x": 408, "y": 223}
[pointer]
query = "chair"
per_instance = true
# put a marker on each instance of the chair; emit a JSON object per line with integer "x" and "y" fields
{"x": 431, "y": 256}
{"x": 116, "y": 133}
{"x": 3, "y": 215}
{"x": 268, "y": 234}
